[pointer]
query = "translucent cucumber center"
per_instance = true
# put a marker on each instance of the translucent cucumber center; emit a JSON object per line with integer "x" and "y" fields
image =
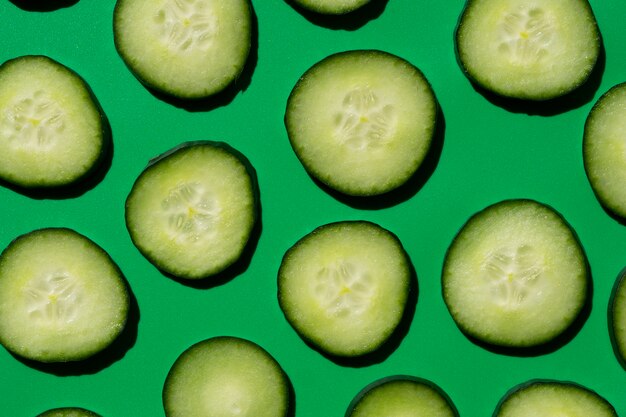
{"x": 53, "y": 298}
{"x": 191, "y": 212}
{"x": 525, "y": 35}
{"x": 364, "y": 122}
{"x": 186, "y": 25}
{"x": 343, "y": 289}
{"x": 32, "y": 121}
{"x": 511, "y": 275}
{"x": 228, "y": 400}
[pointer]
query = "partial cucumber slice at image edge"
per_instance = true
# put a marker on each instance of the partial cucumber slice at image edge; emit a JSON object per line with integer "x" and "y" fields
{"x": 188, "y": 50}
{"x": 617, "y": 318}
{"x": 346, "y": 287}
{"x": 62, "y": 298}
{"x": 603, "y": 155}
{"x": 516, "y": 276}
{"x": 53, "y": 131}
{"x": 193, "y": 211}
{"x": 330, "y": 7}
{"x": 362, "y": 122}
{"x": 540, "y": 397}
{"x": 226, "y": 376}
{"x": 529, "y": 51}
{"x": 402, "y": 395}
{"x": 68, "y": 412}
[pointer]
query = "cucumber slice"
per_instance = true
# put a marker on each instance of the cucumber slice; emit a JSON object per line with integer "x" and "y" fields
{"x": 402, "y": 396}
{"x": 535, "y": 50}
{"x": 68, "y": 412}
{"x": 617, "y": 317}
{"x": 192, "y": 211}
{"x": 52, "y": 130}
{"x": 344, "y": 287}
{"x": 190, "y": 49}
{"x": 62, "y": 298}
{"x": 604, "y": 149}
{"x": 515, "y": 275}
{"x": 332, "y": 7}
{"x": 553, "y": 398}
{"x": 362, "y": 121}
{"x": 226, "y": 377}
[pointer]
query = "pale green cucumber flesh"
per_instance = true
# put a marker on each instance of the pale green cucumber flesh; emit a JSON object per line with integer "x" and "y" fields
{"x": 226, "y": 377}
{"x": 52, "y": 131}
{"x": 617, "y": 317}
{"x": 361, "y": 121}
{"x": 68, "y": 412}
{"x": 189, "y": 49}
{"x": 331, "y": 7}
{"x": 192, "y": 211}
{"x": 62, "y": 298}
{"x": 344, "y": 287}
{"x": 604, "y": 149}
{"x": 401, "y": 396}
{"x": 528, "y": 50}
{"x": 553, "y": 398}
{"x": 515, "y": 275}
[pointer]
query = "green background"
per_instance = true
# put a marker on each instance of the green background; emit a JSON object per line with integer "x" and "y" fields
{"x": 489, "y": 151}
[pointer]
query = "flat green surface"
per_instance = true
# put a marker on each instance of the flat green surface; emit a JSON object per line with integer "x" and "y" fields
{"x": 489, "y": 151}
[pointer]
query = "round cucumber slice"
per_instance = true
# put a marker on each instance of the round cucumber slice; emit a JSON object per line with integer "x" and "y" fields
{"x": 226, "y": 377}
{"x": 401, "y": 396}
{"x": 553, "y": 398}
{"x": 515, "y": 275}
{"x": 52, "y": 130}
{"x": 617, "y": 317}
{"x": 62, "y": 298}
{"x": 604, "y": 149}
{"x": 68, "y": 412}
{"x": 344, "y": 287}
{"x": 361, "y": 121}
{"x": 192, "y": 211}
{"x": 331, "y": 7}
{"x": 528, "y": 50}
{"x": 190, "y": 49}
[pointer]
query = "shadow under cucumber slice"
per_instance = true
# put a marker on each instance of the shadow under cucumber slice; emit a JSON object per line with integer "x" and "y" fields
{"x": 330, "y": 7}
